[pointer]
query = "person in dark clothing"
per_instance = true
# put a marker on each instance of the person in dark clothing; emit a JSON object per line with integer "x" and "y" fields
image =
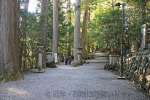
{"x": 72, "y": 57}
{"x": 62, "y": 59}
{"x": 69, "y": 60}
{"x": 66, "y": 60}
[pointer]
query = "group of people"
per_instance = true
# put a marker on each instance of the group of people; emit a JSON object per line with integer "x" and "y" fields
{"x": 67, "y": 59}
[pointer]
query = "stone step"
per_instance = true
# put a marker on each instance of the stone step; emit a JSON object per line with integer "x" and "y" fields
{"x": 101, "y": 58}
{"x": 97, "y": 61}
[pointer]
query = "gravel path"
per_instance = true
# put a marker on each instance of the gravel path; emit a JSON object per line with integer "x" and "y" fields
{"x": 87, "y": 82}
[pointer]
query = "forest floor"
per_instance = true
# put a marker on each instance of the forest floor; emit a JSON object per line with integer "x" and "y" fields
{"x": 86, "y": 82}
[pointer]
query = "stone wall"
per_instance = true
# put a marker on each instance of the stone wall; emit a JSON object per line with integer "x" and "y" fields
{"x": 137, "y": 69}
{"x": 136, "y": 66}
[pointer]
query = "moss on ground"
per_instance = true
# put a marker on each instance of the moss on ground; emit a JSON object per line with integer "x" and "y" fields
{"x": 11, "y": 77}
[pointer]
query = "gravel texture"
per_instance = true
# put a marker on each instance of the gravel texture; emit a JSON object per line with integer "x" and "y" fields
{"x": 86, "y": 82}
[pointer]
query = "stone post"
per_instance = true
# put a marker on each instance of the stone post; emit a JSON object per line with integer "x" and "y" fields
{"x": 40, "y": 57}
{"x": 144, "y": 36}
{"x": 113, "y": 58}
{"x": 49, "y": 57}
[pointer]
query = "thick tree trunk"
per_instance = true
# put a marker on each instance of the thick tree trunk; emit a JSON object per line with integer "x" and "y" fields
{"x": 55, "y": 27}
{"x": 84, "y": 29}
{"x": 43, "y": 29}
{"x": 76, "y": 29}
{"x": 9, "y": 37}
{"x": 1, "y": 56}
{"x": 17, "y": 51}
{"x": 69, "y": 21}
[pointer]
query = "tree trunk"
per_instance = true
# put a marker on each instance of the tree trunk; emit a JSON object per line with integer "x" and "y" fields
{"x": 76, "y": 29}
{"x": 55, "y": 28}
{"x": 9, "y": 39}
{"x": 26, "y": 5}
{"x": 84, "y": 30}
{"x": 43, "y": 29}
{"x": 69, "y": 21}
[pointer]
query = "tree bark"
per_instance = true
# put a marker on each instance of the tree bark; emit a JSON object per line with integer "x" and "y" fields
{"x": 76, "y": 29}
{"x": 69, "y": 21}
{"x": 84, "y": 29}
{"x": 43, "y": 29}
{"x": 55, "y": 27}
{"x": 9, "y": 39}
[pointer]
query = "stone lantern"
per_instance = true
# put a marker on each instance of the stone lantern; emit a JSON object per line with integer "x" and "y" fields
{"x": 49, "y": 57}
{"x": 40, "y": 58}
{"x": 79, "y": 53}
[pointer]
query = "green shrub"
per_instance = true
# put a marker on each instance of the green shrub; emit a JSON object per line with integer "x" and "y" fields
{"x": 51, "y": 64}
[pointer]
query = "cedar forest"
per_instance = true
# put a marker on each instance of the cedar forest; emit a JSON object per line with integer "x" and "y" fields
{"x": 62, "y": 27}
